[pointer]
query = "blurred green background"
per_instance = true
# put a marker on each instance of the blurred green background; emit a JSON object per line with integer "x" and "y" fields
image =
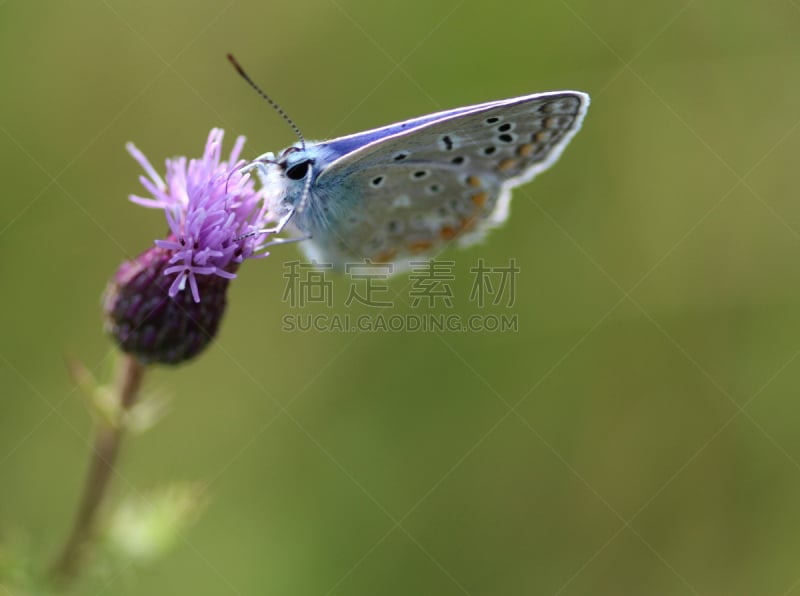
{"x": 638, "y": 435}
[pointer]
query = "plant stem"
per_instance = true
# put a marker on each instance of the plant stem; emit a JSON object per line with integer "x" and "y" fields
{"x": 106, "y": 447}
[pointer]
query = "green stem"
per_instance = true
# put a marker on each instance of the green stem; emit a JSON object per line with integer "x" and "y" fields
{"x": 106, "y": 448}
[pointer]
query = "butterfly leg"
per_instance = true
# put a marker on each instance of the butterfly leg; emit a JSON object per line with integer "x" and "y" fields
{"x": 280, "y": 225}
{"x": 285, "y": 241}
{"x": 277, "y": 229}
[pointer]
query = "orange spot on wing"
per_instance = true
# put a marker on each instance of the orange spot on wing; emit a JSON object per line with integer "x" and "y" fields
{"x": 542, "y": 136}
{"x": 474, "y": 181}
{"x": 525, "y": 150}
{"x": 420, "y": 246}
{"x": 507, "y": 165}
{"x": 385, "y": 256}
{"x": 448, "y": 232}
{"x": 479, "y": 199}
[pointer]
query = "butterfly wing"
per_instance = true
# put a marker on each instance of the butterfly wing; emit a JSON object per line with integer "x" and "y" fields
{"x": 412, "y": 187}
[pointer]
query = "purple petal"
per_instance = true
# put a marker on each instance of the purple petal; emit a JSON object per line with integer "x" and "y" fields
{"x": 145, "y": 163}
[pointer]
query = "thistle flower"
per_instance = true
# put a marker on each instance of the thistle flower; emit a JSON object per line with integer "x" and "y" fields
{"x": 166, "y": 304}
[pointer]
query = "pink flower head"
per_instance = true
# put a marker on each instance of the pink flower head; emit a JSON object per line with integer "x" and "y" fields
{"x": 209, "y": 205}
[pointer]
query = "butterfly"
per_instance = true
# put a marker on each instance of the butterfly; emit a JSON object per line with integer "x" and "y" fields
{"x": 408, "y": 189}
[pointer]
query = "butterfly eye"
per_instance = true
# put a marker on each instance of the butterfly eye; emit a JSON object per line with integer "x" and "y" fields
{"x": 299, "y": 170}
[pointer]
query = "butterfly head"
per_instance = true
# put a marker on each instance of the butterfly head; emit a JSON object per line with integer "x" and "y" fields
{"x": 295, "y": 162}
{"x": 284, "y": 175}
{"x": 287, "y": 179}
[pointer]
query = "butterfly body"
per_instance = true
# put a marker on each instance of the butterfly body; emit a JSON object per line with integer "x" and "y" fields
{"x": 408, "y": 189}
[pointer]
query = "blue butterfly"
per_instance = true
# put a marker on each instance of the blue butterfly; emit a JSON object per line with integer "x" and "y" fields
{"x": 408, "y": 189}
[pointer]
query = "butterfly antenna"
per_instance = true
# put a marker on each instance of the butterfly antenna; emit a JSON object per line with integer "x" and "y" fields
{"x": 271, "y": 102}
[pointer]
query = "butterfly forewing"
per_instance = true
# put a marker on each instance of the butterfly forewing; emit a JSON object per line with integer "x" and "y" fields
{"x": 415, "y": 186}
